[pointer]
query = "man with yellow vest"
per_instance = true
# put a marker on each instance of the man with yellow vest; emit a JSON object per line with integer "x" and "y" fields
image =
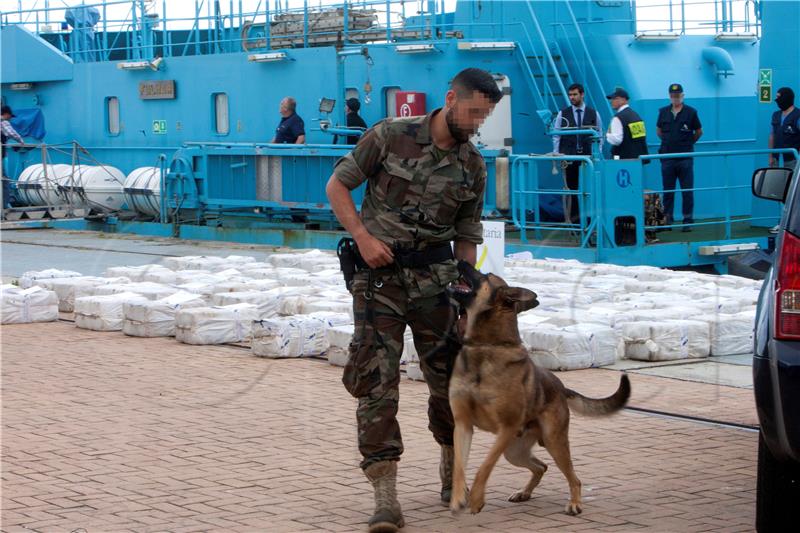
{"x": 626, "y": 132}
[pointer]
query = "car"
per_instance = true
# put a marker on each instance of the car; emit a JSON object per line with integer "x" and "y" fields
{"x": 776, "y": 359}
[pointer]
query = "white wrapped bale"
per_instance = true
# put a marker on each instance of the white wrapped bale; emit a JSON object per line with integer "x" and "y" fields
{"x": 205, "y": 290}
{"x": 339, "y": 338}
{"x": 157, "y": 318}
{"x": 233, "y": 286}
{"x": 164, "y": 276}
{"x": 296, "y": 336}
{"x": 103, "y": 313}
{"x": 67, "y": 289}
{"x": 731, "y": 334}
{"x": 294, "y": 277}
{"x": 328, "y": 306}
{"x": 262, "y": 284}
{"x": 26, "y": 306}
{"x": 572, "y": 347}
{"x": 215, "y": 325}
{"x": 196, "y": 276}
{"x": 151, "y": 291}
{"x": 682, "y": 312}
{"x": 308, "y": 261}
{"x": 27, "y": 278}
{"x": 265, "y": 273}
{"x": 666, "y": 340}
{"x": 267, "y": 305}
{"x": 612, "y": 317}
{"x": 136, "y": 273}
{"x": 713, "y": 305}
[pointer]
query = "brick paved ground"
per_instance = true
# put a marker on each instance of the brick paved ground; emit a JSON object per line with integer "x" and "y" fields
{"x": 109, "y": 433}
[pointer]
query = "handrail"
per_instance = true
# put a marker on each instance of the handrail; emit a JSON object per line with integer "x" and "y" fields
{"x": 546, "y": 53}
{"x": 587, "y": 55}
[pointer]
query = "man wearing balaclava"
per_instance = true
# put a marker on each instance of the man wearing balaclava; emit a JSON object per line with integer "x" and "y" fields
{"x": 785, "y": 127}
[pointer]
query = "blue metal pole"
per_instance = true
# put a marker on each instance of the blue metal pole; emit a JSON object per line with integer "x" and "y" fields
{"x": 166, "y": 48}
{"x": 346, "y": 12}
{"x": 388, "y": 21}
{"x": 305, "y": 23}
{"x": 267, "y": 28}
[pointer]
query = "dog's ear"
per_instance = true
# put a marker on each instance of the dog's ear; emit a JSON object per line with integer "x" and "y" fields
{"x": 518, "y": 298}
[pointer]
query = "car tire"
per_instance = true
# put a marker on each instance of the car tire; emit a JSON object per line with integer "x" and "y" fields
{"x": 777, "y": 490}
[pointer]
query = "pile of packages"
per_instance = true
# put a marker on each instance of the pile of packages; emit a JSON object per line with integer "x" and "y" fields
{"x": 296, "y": 305}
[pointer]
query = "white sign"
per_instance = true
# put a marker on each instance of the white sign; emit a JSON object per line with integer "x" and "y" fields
{"x": 490, "y": 253}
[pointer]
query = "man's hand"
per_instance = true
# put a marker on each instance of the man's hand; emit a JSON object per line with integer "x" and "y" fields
{"x": 374, "y": 251}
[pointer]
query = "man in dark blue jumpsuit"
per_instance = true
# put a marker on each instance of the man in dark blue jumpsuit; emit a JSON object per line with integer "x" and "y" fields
{"x": 679, "y": 128}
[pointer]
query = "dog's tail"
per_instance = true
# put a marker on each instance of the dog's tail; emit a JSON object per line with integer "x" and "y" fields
{"x": 600, "y": 406}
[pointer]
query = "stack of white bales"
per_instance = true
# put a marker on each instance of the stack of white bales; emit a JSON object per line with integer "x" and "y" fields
{"x": 25, "y": 306}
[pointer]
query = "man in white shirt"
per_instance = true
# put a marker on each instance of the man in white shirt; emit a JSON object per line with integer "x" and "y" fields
{"x": 576, "y": 116}
{"x": 626, "y": 132}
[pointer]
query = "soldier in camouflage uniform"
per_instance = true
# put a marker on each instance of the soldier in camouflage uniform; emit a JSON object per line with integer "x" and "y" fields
{"x": 425, "y": 187}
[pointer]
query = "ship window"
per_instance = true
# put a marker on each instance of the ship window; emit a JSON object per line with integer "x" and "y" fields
{"x": 221, "y": 122}
{"x": 390, "y": 101}
{"x": 112, "y": 115}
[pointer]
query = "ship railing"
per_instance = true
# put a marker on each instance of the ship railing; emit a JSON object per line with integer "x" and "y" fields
{"x": 693, "y": 17}
{"x": 527, "y": 196}
{"x": 721, "y": 214}
{"x": 217, "y": 32}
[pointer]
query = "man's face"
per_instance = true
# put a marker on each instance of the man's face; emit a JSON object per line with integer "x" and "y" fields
{"x": 465, "y": 114}
{"x": 285, "y": 112}
{"x": 618, "y": 102}
{"x": 575, "y": 97}
{"x": 6, "y": 116}
{"x": 676, "y": 99}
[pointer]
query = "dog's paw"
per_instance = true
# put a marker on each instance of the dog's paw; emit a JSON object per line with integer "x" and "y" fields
{"x": 573, "y": 508}
{"x": 459, "y": 504}
{"x": 520, "y": 496}
{"x": 476, "y": 503}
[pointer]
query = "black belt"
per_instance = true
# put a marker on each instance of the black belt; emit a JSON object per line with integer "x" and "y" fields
{"x": 437, "y": 253}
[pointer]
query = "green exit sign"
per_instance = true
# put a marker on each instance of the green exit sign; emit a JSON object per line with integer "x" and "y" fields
{"x": 159, "y": 127}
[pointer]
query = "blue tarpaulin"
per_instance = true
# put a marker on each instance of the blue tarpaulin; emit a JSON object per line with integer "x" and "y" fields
{"x": 29, "y": 123}
{"x": 83, "y": 19}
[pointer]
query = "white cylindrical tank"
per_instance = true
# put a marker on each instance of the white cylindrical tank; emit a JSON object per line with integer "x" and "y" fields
{"x": 102, "y": 187}
{"x": 39, "y": 185}
{"x": 26, "y": 181}
{"x": 71, "y": 187}
{"x": 143, "y": 190}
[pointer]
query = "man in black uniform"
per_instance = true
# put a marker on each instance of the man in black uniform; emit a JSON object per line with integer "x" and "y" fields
{"x": 354, "y": 120}
{"x": 578, "y": 116}
{"x": 626, "y": 132}
{"x": 678, "y": 127}
{"x": 785, "y": 127}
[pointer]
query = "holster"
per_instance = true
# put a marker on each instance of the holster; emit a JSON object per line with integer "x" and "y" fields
{"x": 350, "y": 261}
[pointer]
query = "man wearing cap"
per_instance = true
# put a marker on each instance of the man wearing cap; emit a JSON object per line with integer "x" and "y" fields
{"x": 785, "y": 127}
{"x": 354, "y": 120}
{"x": 626, "y": 132}
{"x": 8, "y": 132}
{"x": 678, "y": 127}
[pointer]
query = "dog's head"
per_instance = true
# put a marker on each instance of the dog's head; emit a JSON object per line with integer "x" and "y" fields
{"x": 484, "y": 292}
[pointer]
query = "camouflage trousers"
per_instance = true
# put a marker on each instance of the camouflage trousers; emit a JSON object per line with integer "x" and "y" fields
{"x": 372, "y": 372}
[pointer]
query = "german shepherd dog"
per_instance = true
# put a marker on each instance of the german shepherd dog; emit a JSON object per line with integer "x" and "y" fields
{"x": 496, "y": 387}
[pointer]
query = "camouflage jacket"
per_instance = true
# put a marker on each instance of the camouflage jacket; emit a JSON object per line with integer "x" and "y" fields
{"x": 414, "y": 200}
